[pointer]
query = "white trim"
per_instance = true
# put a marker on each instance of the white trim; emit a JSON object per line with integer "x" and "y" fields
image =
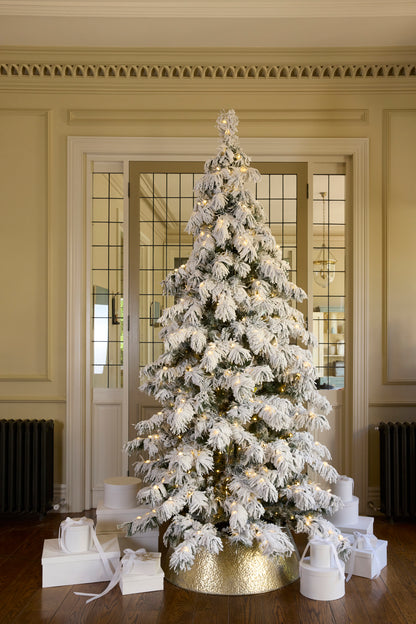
{"x": 356, "y": 404}
{"x": 88, "y": 468}
{"x": 191, "y": 9}
{"x": 176, "y": 149}
{"x": 76, "y": 363}
{"x": 60, "y": 503}
{"x": 374, "y": 501}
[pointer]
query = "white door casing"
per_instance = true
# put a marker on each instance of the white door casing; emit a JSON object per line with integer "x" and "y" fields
{"x": 82, "y": 150}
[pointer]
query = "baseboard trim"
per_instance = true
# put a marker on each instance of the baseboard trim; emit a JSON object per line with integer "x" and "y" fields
{"x": 60, "y": 502}
{"x": 374, "y": 501}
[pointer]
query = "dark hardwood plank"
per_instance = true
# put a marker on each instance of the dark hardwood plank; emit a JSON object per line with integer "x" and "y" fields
{"x": 24, "y": 580}
{"x": 42, "y": 606}
{"x": 377, "y": 601}
{"x": 211, "y": 609}
{"x": 400, "y": 578}
{"x": 140, "y": 608}
{"x": 177, "y": 606}
{"x": 389, "y": 599}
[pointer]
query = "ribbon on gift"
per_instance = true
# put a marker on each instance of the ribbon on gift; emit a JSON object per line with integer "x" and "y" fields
{"x": 76, "y": 522}
{"x": 363, "y": 541}
{"x": 330, "y": 543}
{"x": 125, "y": 565}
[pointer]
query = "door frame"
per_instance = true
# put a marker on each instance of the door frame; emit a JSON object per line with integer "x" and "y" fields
{"x": 81, "y": 151}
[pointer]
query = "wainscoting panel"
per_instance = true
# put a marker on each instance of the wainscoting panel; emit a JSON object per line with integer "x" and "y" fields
{"x": 106, "y": 439}
{"x": 24, "y": 245}
{"x": 400, "y": 250}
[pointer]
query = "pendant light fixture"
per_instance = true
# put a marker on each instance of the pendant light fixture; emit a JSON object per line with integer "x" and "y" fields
{"x": 324, "y": 265}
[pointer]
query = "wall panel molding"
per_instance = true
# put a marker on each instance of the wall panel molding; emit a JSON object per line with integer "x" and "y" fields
{"x": 32, "y": 399}
{"x": 398, "y": 247}
{"x": 393, "y": 404}
{"x": 46, "y": 328}
{"x": 100, "y": 116}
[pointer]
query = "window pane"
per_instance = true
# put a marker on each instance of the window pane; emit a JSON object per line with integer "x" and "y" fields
{"x": 329, "y": 278}
{"x": 107, "y": 329}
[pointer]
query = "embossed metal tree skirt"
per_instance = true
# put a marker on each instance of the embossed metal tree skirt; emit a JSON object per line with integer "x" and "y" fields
{"x": 236, "y": 570}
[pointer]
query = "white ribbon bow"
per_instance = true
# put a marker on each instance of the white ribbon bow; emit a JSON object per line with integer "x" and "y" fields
{"x": 75, "y": 522}
{"x": 127, "y": 562}
{"x": 323, "y": 540}
{"x": 363, "y": 541}
{"x": 126, "y": 565}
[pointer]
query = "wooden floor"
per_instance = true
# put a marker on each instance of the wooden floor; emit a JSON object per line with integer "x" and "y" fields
{"x": 389, "y": 599}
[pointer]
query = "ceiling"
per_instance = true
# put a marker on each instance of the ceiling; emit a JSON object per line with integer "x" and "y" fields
{"x": 202, "y": 24}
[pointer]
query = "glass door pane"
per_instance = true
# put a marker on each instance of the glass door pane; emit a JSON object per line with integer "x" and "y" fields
{"x": 329, "y": 321}
{"x": 107, "y": 257}
{"x": 161, "y": 202}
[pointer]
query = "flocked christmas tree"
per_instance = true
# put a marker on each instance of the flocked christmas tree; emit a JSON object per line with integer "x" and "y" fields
{"x": 231, "y": 451}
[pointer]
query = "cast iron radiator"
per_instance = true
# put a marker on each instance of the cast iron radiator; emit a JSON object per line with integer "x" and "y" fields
{"x": 398, "y": 469}
{"x": 26, "y": 465}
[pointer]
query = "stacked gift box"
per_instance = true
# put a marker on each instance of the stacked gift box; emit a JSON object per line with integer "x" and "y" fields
{"x": 86, "y": 566}
{"x": 120, "y": 506}
{"x": 84, "y": 554}
{"x": 369, "y": 554}
{"x": 322, "y": 573}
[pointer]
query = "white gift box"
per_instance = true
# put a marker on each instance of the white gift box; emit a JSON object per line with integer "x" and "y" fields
{"x": 343, "y": 488}
{"x": 60, "y": 568}
{"x": 348, "y": 514}
{"x": 132, "y": 583}
{"x": 148, "y": 540}
{"x": 108, "y": 521}
{"x": 321, "y": 583}
{"x": 76, "y": 535}
{"x": 368, "y": 562}
{"x": 147, "y": 563}
{"x": 364, "y": 525}
{"x": 321, "y": 574}
{"x": 121, "y": 492}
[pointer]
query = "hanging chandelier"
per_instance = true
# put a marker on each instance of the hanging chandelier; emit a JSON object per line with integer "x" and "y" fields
{"x": 324, "y": 265}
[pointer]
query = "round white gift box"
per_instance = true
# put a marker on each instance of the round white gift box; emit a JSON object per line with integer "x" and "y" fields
{"x": 344, "y": 488}
{"x": 121, "y": 492}
{"x": 347, "y": 515}
{"x": 321, "y": 583}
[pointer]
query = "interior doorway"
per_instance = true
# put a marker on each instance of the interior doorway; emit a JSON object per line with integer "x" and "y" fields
{"x": 161, "y": 202}
{"x": 82, "y": 152}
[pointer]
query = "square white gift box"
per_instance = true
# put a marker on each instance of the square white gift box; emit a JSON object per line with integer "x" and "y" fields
{"x": 148, "y": 540}
{"x": 367, "y": 559}
{"x": 60, "y": 568}
{"x": 145, "y": 563}
{"x": 364, "y": 524}
{"x": 132, "y": 583}
{"x": 108, "y": 521}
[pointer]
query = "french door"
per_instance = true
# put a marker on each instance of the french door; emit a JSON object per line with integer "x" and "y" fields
{"x": 161, "y": 202}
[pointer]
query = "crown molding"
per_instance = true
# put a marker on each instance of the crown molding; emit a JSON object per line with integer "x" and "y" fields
{"x": 174, "y": 72}
{"x": 236, "y": 9}
{"x": 166, "y": 70}
{"x": 211, "y": 56}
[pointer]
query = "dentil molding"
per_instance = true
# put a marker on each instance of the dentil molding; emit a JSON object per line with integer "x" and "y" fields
{"x": 237, "y": 72}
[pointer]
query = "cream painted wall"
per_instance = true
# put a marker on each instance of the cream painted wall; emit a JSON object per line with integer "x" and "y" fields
{"x": 37, "y": 114}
